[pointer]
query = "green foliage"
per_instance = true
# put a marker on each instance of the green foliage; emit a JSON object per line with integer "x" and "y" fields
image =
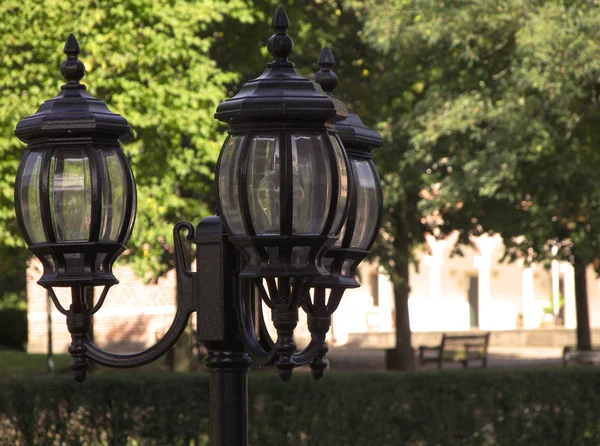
{"x": 12, "y": 280}
{"x": 500, "y": 118}
{"x": 165, "y": 66}
{"x": 149, "y": 61}
{"x": 13, "y": 327}
{"x": 313, "y": 24}
{"x": 469, "y": 407}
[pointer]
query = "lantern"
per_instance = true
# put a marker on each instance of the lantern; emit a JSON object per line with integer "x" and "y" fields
{"x": 74, "y": 192}
{"x": 366, "y": 199}
{"x": 282, "y": 176}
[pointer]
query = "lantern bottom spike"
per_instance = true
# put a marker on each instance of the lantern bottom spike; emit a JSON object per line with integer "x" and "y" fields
{"x": 79, "y": 321}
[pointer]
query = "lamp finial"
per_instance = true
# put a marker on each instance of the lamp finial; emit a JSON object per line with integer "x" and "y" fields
{"x": 280, "y": 45}
{"x": 72, "y": 69}
{"x": 326, "y": 78}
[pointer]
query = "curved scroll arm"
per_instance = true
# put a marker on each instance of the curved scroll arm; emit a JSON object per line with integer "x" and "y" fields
{"x": 186, "y": 306}
{"x": 335, "y": 297}
{"x": 56, "y": 302}
{"x": 308, "y": 354}
{"x": 101, "y": 299}
{"x": 262, "y": 351}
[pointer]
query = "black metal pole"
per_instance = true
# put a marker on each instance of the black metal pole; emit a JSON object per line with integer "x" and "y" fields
{"x": 228, "y": 397}
{"x": 217, "y": 265}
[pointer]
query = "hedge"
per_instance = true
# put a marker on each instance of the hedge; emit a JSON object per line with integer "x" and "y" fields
{"x": 464, "y": 407}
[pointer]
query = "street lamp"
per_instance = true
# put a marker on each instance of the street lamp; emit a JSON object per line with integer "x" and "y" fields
{"x": 287, "y": 189}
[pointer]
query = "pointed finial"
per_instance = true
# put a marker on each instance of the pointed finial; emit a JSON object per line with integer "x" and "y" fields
{"x": 280, "y": 45}
{"x": 280, "y": 19}
{"x": 72, "y": 46}
{"x": 326, "y": 58}
{"x": 72, "y": 69}
{"x": 326, "y": 78}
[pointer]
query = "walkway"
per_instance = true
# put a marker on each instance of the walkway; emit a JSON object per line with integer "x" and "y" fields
{"x": 359, "y": 359}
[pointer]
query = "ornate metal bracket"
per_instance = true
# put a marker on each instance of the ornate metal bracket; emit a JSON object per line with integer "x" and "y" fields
{"x": 259, "y": 344}
{"x": 79, "y": 320}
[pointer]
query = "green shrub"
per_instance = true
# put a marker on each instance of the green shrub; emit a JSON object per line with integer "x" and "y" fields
{"x": 464, "y": 407}
{"x": 13, "y": 327}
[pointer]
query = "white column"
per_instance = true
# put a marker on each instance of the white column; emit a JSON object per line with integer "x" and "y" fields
{"x": 434, "y": 263}
{"x": 528, "y": 290}
{"x": 569, "y": 278}
{"x": 483, "y": 263}
{"x": 555, "y": 283}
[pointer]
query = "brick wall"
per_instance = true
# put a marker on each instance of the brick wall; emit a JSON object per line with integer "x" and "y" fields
{"x": 133, "y": 317}
{"x": 134, "y": 314}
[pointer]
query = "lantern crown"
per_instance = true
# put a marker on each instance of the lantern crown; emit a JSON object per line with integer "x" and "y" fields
{"x": 74, "y": 112}
{"x": 280, "y": 93}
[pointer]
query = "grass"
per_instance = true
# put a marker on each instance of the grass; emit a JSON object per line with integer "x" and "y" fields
{"x": 14, "y": 363}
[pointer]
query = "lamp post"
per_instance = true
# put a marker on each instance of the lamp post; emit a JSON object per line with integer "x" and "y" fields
{"x": 296, "y": 211}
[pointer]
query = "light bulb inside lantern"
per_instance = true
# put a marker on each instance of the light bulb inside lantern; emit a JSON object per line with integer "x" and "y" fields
{"x": 71, "y": 195}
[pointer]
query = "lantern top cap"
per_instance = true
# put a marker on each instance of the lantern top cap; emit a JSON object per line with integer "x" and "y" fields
{"x": 74, "y": 112}
{"x": 280, "y": 94}
{"x": 356, "y": 137}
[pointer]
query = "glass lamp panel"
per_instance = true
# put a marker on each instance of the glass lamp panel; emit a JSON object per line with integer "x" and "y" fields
{"x": 70, "y": 195}
{"x": 30, "y": 198}
{"x": 346, "y": 267}
{"x": 131, "y": 217}
{"x": 338, "y": 242}
{"x": 264, "y": 178}
{"x": 367, "y": 203}
{"x": 343, "y": 187}
{"x": 311, "y": 173}
{"x": 114, "y": 194}
{"x": 228, "y": 185}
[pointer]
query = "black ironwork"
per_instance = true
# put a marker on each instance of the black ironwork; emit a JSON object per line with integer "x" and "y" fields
{"x": 236, "y": 262}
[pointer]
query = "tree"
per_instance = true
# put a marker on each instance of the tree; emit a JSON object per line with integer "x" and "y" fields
{"x": 426, "y": 51}
{"x": 149, "y": 61}
{"x": 504, "y": 124}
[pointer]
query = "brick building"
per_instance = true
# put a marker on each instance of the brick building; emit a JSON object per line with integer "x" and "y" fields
{"x": 472, "y": 292}
{"x": 134, "y": 314}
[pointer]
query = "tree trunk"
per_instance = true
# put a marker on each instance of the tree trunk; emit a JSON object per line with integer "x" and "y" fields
{"x": 404, "y": 353}
{"x": 584, "y": 339}
{"x": 403, "y": 357}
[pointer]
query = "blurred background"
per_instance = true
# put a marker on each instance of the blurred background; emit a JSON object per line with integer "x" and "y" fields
{"x": 489, "y": 112}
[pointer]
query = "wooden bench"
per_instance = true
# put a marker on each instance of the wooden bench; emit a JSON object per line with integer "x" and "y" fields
{"x": 457, "y": 348}
{"x": 573, "y": 356}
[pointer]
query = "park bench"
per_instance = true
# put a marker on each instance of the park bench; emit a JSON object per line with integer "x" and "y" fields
{"x": 573, "y": 356}
{"x": 457, "y": 348}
